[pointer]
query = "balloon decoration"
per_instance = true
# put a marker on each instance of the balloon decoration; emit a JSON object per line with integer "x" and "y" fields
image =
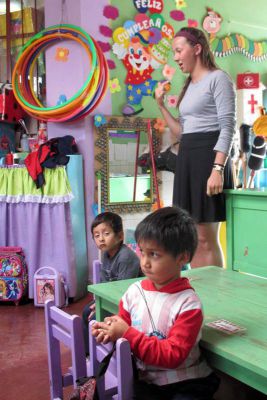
{"x": 81, "y": 103}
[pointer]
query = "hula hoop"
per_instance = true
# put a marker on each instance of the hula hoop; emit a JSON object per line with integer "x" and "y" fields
{"x": 85, "y": 100}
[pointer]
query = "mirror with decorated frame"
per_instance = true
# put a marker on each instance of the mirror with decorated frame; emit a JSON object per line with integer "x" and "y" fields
{"x": 125, "y": 186}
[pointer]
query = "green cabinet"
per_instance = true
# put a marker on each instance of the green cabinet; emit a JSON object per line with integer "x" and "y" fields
{"x": 246, "y": 231}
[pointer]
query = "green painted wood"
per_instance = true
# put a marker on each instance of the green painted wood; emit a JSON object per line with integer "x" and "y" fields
{"x": 225, "y": 294}
{"x": 246, "y": 231}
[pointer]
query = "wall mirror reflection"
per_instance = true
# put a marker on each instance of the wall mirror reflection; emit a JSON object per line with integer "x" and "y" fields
{"x": 125, "y": 185}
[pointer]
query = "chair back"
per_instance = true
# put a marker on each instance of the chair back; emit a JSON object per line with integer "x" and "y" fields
{"x": 118, "y": 379}
{"x": 96, "y": 271}
{"x": 67, "y": 329}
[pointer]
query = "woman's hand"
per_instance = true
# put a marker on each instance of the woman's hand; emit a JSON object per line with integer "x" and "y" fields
{"x": 215, "y": 183}
{"x": 160, "y": 93}
{"x": 111, "y": 329}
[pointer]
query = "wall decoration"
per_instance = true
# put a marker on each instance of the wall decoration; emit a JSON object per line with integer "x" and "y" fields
{"x": 192, "y": 23}
{"x": 114, "y": 85}
{"x": 154, "y": 6}
{"x": 143, "y": 45}
{"x": 177, "y": 15}
{"x": 232, "y": 43}
{"x": 104, "y": 46}
{"x": 172, "y": 101}
{"x": 111, "y": 12}
{"x": 111, "y": 64}
{"x": 62, "y": 99}
{"x": 180, "y": 4}
{"x": 62, "y": 54}
{"x": 99, "y": 120}
{"x": 105, "y": 31}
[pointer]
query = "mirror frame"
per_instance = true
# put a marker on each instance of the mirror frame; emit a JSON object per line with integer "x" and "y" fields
{"x": 102, "y": 157}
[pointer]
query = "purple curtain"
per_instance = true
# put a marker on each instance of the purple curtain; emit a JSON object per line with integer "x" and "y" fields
{"x": 44, "y": 232}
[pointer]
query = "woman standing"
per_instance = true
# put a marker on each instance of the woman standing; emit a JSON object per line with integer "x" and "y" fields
{"x": 205, "y": 127}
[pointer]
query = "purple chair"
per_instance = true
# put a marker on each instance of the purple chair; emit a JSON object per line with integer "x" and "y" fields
{"x": 96, "y": 271}
{"x": 67, "y": 329}
{"x": 118, "y": 380}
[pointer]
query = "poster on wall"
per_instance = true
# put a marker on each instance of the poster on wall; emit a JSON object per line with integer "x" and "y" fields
{"x": 143, "y": 45}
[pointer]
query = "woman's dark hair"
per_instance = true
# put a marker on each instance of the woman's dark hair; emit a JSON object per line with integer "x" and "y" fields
{"x": 207, "y": 58}
{"x": 172, "y": 229}
{"x": 109, "y": 218}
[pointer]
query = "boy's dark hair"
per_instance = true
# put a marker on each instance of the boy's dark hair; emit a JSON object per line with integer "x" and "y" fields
{"x": 171, "y": 228}
{"x": 109, "y": 218}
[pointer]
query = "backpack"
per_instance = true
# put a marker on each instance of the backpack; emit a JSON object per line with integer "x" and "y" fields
{"x": 13, "y": 274}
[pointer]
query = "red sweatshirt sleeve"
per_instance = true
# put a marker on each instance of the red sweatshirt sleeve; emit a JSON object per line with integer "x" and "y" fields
{"x": 169, "y": 352}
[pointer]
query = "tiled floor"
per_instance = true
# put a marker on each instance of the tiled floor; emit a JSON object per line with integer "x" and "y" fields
{"x": 23, "y": 357}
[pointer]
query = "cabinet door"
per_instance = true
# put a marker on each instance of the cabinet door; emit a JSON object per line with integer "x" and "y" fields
{"x": 250, "y": 241}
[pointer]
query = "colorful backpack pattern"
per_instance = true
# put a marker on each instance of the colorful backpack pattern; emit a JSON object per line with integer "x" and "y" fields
{"x": 13, "y": 274}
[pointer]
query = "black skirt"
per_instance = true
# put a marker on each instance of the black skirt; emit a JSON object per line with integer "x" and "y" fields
{"x": 193, "y": 168}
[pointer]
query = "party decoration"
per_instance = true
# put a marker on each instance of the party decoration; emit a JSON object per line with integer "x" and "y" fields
{"x": 152, "y": 6}
{"x": 212, "y": 22}
{"x": 111, "y": 64}
{"x": 62, "y": 99}
{"x": 105, "y": 31}
{"x": 104, "y": 46}
{"x": 192, "y": 23}
{"x": 62, "y": 54}
{"x": 143, "y": 45}
{"x": 232, "y": 43}
{"x": 177, "y": 15}
{"x": 99, "y": 120}
{"x": 168, "y": 72}
{"x": 81, "y": 103}
{"x": 180, "y": 4}
{"x": 114, "y": 85}
{"x": 111, "y": 12}
{"x": 172, "y": 101}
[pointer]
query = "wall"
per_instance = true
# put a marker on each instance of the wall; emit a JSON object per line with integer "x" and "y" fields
{"x": 248, "y": 19}
{"x": 68, "y": 78}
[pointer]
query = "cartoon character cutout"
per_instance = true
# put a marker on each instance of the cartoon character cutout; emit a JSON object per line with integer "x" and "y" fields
{"x": 140, "y": 62}
{"x": 212, "y": 22}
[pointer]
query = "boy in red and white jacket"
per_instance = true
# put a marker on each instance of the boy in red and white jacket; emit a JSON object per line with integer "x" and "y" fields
{"x": 161, "y": 316}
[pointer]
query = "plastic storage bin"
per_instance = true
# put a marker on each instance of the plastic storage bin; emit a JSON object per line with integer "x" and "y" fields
{"x": 49, "y": 284}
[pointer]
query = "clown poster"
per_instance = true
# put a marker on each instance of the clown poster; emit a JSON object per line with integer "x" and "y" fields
{"x": 143, "y": 45}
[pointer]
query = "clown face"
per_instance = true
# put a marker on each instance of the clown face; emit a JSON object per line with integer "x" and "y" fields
{"x": 138, "y": 57}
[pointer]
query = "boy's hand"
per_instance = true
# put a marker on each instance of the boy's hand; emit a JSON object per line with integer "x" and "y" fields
{"x": 112, "y": 329}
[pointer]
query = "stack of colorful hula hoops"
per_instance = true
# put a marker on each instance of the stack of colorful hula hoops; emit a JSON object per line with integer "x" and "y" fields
{"x": 81, "y": 103}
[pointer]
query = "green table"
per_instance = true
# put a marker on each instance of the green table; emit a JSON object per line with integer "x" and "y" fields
{"x": 225, "y": 294}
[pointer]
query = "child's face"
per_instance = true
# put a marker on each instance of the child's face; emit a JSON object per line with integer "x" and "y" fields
{"x": 106, "y": 239}
{"x": 158, "y": 265}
